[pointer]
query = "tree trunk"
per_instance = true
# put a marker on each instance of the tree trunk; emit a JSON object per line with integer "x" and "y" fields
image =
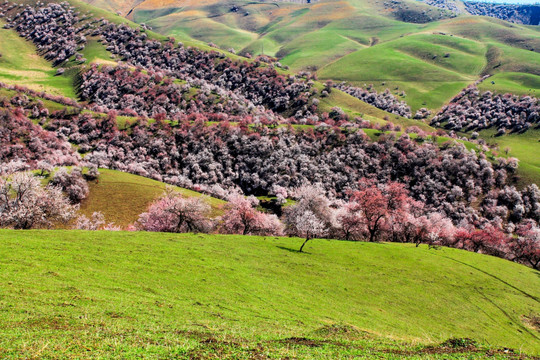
{"x": 305, "y": 242}
{"x": 372, "y": 235}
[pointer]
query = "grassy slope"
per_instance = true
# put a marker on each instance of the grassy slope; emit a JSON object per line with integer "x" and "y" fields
{"x": 20, "y": 65}
{"x": 415, "y": 64}
{"x": 525, "y": 147}
{"x": 513, "y": 83}
{"x": 129, "y": 294}
{"x": 121, "y": 197}
{"x": 357, "y": 108}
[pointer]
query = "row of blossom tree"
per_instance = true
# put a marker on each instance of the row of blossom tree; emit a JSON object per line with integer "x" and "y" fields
{"x": 373, "y": 213}
{"x": 471, "y": 110}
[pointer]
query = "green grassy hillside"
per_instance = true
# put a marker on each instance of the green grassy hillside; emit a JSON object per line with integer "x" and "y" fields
{"x": 149, "y": 295}
{"x": 21, "y": 65}
{"x": 431, "y": 69}
{"x": 122, "y": 197}
{"x": 513, "y": 83}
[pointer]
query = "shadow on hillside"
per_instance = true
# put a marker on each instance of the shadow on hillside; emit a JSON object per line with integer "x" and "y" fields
{"x": 291, "y": 250}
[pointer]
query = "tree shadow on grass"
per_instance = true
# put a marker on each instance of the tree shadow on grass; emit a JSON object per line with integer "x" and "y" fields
{"x": 292, "y": 250}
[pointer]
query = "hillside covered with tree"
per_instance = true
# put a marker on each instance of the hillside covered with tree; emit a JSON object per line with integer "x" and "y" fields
{"x": 129, "y": 131}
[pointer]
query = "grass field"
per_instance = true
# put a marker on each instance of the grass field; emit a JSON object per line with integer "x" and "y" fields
{"x": 524, "y": 147}
{"x": 149, "y": 295}
{"x": 513, "y": 83}
{"x": 122, "y": 197}
{"x": 95, "y": 52}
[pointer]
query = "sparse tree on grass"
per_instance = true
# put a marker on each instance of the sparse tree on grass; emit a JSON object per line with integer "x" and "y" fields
{"x": 311, "y": 216}
{"x": 309, "y": 226}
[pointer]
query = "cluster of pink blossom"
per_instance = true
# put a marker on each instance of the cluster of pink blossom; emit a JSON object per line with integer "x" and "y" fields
{"x": 470, "y": 111}
{"x": 384, "y": 101}
{"x": 174, "y": 213}
{"x": 150, "y": 94}
{"x": 72, "y": 183}
{"x": 25, "y": 143}
{"x": 52, "y": 27}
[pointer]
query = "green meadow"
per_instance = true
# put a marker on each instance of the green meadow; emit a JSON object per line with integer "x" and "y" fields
{"x": 150, "y": 295}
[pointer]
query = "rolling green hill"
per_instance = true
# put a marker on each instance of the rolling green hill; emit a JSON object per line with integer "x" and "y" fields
{"x": 127, "y": 295}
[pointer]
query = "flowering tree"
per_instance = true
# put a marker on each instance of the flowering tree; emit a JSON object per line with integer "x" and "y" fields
{"x": 489, "y": 240}
{"x": 26, "y": 204}
{"x": 309, "y": 226}
{"x": 350, "y": 222}
{"x": 526, "y": 247}
{"x": 435, "y": 228}
{"x": 72, "y": 183}
{"x": 242, "y": 218}
{"x": 174, "y": 213}
{"x": 378, "y": 205}
{"x": 311, "y": 216}
{"x": 95, "y": 222}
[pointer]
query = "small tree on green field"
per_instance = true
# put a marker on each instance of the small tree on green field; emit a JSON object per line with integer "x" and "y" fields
{"x": 311, "y": 216}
